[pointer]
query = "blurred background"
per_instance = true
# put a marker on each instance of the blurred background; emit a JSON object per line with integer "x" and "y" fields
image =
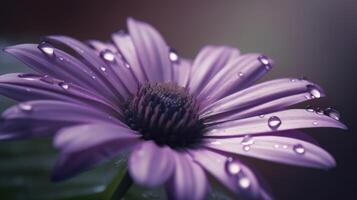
{"x": 316, "y": 39}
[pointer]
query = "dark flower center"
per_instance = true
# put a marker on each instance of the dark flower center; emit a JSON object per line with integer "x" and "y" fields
{"x": 165, "y": 113}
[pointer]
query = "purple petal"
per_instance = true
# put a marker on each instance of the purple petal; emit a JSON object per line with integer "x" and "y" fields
{"x": 189, "y": 181}
{"x": 260, "y": 94}
{"x": 270, "y": 123}
{"x": 61, "y": 66}
{"x": 151, "y": 49}
{"x": 125, "y": 46}
{"x": 277, "y": 149}
{"x": 123, "y": 77}
{"x": 243, "y": 183}
{"x": 182, "y": 72}
{"x": 94, "y": 63}
{"x": 207, "y": 63}
{"x": 24, "y": 87}
{"x": 151, "y": 165}
{"x": 238, "y": 74}
{"x": 87, "y": 145}
{"x": 58, "y": 111}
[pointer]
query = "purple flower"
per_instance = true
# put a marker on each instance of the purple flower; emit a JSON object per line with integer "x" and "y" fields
{"x": 182, "y": 120}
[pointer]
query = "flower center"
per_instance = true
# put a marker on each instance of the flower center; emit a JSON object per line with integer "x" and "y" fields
{"x": 165, "y": 113}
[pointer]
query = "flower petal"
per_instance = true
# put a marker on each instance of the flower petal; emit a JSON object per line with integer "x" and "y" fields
{"x": 24, "y": 87}
{"x": 189, "y": 181}
{"x": 238, "y": 74}
{"x": 59, "y": 111}
{"x": 244, "y": 184}
{"x": 207, "y": 63}
{"x": 277, "y": 149}
{"x": 260, "y": 94}
{"x": 93, "y": 62}
{"x": 272, "y": 122}
{"x": 152, "y": 50}
{"x": 117, "y": 65}
{"x": 151, "y": 165}
{"x": 126, "y": 48}
{"x": 182, "y": 72}
{"x": 84, "y": 146}
{"x": 61, "y": 66}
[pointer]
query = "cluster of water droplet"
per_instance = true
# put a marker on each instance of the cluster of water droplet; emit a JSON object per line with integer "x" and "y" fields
{"x": 234, "y": 169}
{"x": 331, "y": 112}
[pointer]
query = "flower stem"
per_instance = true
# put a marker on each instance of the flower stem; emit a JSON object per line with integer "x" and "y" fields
{"x": 123, "y": 187}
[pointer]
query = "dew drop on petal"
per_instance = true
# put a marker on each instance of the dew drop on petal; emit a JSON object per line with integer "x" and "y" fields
{"x": 103, "y": 69}
{"x": 314, "y": 91}
{"x": 46, "y": 48}
{"x": 232, "y": 166}
{"x": 244, "y": 182}
{"x": 261, "y": 116}
{"x": 25, "y": 107}
{"x": 285, "y": 146}
{"x": 265, "y": 61}
{"x": 64, "y": 86}
{"x": 333, "y": 113}
{"x": 240, "y": 74}
{"x": 274, "y": 122}
{"x": 276, "y": 146}
{"x": 299, "y": 149}
{"x": 246, "y": 147}
{"x": 216, "y": 142}
{"x": 293, "y": 80}
{"x": 173, "y": 56}
{"x": 107, "y": 55}
{"x": 247, "y": 140}
{"x": 315, "y": 123}
{"x": 29, "y": 76}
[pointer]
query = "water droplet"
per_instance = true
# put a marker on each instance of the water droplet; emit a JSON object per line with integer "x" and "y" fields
{"x": 265, "y": 61}
{"x": 64, "y": 86}
{"x": 25, "y": 107}
{"x": 107, "y": 55}
{"x": 276, "y": 146}
{"x": 293, "y": 80}
{"x": 46, "y": 48}
{"x": 285, "y": 146}
{"x": 244, "y": 182}
{"x": 246, "y": 147}
{"x": 126, "y": 64}
{"x": 274, "y": 122}
{"x": 240, "y": 74}
{"x": 299, "y": 149}
{"x": 247, "y": 140}
{"x": 315, "y": 123}
{"x": 173, "y": 56}
{"x": 309, "y": 109}
{"x": 61, "y": 58}
{"x": 261, "y": 116}
{"x": 314, "y": 91}
{"x": 29, "y": 76}
{"x": 333, "y": 113}
{"x": 232, "y": 166}
{"x": 216, "y": 142}
{"x": 103, "y": 69}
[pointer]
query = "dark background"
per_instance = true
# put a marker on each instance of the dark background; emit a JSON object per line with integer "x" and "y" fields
{"x": 317, "y": 39}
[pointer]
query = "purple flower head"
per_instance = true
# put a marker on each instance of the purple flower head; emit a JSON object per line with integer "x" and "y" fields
{"x": 182, "y": 120}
